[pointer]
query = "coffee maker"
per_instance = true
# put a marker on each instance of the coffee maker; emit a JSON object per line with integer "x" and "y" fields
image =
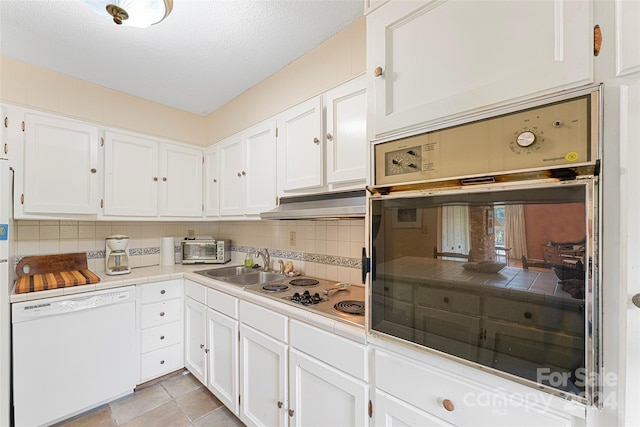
{"x": 117, "y": 255}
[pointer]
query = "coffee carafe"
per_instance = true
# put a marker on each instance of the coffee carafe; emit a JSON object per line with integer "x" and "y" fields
{"x": 117, "y": 255}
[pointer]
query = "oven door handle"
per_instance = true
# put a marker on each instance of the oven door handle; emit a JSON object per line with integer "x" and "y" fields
{"x": 368, "y": 264}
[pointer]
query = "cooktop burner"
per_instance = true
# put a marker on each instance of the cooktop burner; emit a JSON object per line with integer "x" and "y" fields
{"x": 275, "y": 287}
{"x": 350, "y": 307}
{"x": 303, "y": 282}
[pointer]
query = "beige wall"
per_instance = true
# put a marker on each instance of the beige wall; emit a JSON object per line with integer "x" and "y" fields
{"x": 336, "y": 61}
{"x": 41, "y": 89}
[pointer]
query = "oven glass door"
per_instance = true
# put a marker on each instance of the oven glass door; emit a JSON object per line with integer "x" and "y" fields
{"x": 504, "y": 278}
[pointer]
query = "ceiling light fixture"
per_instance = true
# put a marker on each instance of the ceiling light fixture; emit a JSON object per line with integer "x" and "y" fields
{"x": 133, "y": 13}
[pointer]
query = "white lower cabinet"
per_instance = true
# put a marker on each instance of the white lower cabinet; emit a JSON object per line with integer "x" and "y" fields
{"x": 211, "y": 341}
{"x": 409, "y": 392}
{"x": 263, "y": 367}
{"x": 159, "y": 328}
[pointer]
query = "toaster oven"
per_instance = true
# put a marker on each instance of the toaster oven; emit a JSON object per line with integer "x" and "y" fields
{"x": 206, "y": 251}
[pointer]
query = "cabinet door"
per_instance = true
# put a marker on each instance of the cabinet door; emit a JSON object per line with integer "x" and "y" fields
{"x": 311, "y": 382}
{"x": 195, "y": 339}
{"x": 260, "y": 164}
{"x": 212, "y": 182}
{"x": 231, "y": 168}
{"x": 181, "y": 181}
{"x": 263, "y": 379}
{"x": 391, "y": 412}
{"x": 347, "y": 132}
{"x": 61, "y": 160}
{"x": 436, "y": 59}
{"x": 131, "y": 175}
{"x": 300, "y": 146}
{"x": 222, "y": 343}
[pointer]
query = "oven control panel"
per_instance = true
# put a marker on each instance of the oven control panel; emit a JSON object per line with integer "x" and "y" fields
{"x": 551, "y": 136}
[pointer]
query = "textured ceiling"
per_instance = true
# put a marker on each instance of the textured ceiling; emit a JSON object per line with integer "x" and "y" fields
{"x": 204, "y": 54}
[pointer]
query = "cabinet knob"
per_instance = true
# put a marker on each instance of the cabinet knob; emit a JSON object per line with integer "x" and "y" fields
{"x": 215, "y": 180}
{"x": 161, "y": 337}
{"x": 206, "y": 350}
{"x": 448, "y": 405}
{"x": 162, "y": 362}
{"x": 164, "y": 178}
{"x": 201, "y": 345}
{"x": 239, "y": 175}
{"x": 377, "y": 72}
{"x": 161, "y": 313}
{"x": 280, "y": 405}
{"x": 636, "y": 300}
{"x": 162, "y": 292}
{"x": 527, "y": 315}
{"x": 243, "y": 173}
{"x": 94, "y": 170}
{"x": 155, "y": 179}
{"x": 291, "y": 412}
{"x": 316, "y": 141}
{"x": 446, "y": 300}
{"x": 329, "y": 136}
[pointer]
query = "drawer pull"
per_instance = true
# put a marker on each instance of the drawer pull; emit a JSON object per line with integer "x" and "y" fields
{"x": 446, "y": 300}
{"x": 161, "y": 337}
{"x": 280, "y": 405}
{"x": 448, "y": 405}
{"x": 162, "y": 292}
{"x": 162, "y": 362}
{"x": 527, "y": 315}
{"x": 161, "y": 313}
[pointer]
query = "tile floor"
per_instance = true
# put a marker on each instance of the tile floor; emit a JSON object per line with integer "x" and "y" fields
{"x": 178, "y": 400}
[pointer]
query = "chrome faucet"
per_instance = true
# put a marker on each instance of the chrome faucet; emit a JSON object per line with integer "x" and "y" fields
{"x": 281, "y": 262}
{"x": 266, "y": 259}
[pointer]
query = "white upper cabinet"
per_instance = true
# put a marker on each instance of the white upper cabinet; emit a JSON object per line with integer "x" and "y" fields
{"x": 60, "y": 166}
{"x": 181, "y": 181}
{"x": 429, "y": 61}
{"x": 212, "y": 181}
{"x": 260, "y": 165}
{"x": 346, "y": 132}
{"x": 144, "y": 177}
{"x": 131, "y": 177}
{"x": 248, "y": 171}
{"x": 300, "y": 147}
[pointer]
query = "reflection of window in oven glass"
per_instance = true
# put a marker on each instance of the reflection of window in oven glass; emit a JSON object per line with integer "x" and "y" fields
{"x": 407, "y": 215}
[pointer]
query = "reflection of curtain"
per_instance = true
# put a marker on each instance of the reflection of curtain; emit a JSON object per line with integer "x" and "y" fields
{"x": 514, "y": 231}
{"x": 455, "y": 229}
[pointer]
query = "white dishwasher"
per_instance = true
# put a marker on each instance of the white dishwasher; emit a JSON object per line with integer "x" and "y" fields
{"x": 72, "y": 353}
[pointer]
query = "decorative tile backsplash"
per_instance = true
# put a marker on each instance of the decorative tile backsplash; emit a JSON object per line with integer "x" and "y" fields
{"x": 327, "y": 249}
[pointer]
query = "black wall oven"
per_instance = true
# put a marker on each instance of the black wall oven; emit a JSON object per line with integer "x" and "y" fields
{"x": 497, "y": 267}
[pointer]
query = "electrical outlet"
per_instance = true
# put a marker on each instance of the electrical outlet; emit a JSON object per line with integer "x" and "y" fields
{"x": 292, "y": 238}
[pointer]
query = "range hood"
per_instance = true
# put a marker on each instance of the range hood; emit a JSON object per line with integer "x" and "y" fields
{"x": 338, "y": 205}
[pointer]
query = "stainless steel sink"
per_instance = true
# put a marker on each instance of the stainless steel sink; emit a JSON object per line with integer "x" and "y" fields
{"x": 225, "y": 272}
{"x": 255, "y": 278}
{"x": 240, "y": 275}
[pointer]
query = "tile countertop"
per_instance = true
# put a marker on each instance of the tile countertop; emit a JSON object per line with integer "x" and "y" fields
{"x": 159, "y": 273}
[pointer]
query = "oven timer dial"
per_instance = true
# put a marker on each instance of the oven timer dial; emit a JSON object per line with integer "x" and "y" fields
{"x": 526, "y": 138}
{"x": 527, "y": 141}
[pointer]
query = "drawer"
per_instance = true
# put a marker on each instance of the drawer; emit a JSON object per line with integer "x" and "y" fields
{"x": 160, "y": 313}
{"x": 339, "y": 352}
{"x": 434, "y": 390}
{"x": 224, "y": 303}
{"x": 264, "y": 320}
{"x": 160, "y": 291}
{"x": 568, "y": 317}
{"x": 160, "y": 336}
{"x": 449, "y": 300}
{"x": 160, "y": 362}
{"x": 195, "y": 291}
